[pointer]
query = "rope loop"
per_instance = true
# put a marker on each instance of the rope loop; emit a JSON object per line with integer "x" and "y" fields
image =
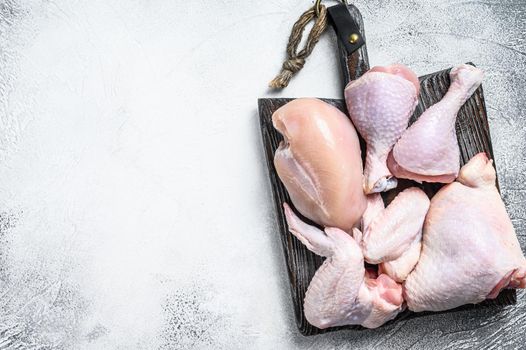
{"x": 296, "y": 59}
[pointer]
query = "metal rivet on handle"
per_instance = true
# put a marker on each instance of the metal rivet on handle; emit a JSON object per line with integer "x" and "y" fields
{"x": 353, "y": 38}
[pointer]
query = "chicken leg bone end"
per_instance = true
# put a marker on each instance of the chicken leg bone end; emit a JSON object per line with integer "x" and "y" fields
{"x": 480, "y": 173}
{"x": 377, "y": 177}
{"x": 467, "y": 77}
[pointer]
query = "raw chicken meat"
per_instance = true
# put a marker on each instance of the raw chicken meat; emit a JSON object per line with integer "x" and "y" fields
{"x": 470, "y": 250}
{"x": 319, "y": 162}
{"x": 428, "y": 149}
{"x": 380, "y": 104}
{"x": 401, "y": 267}
{"x": 392, "y": 237}
{"x": 342, "y": 292}
{"x": 375, "y": 206}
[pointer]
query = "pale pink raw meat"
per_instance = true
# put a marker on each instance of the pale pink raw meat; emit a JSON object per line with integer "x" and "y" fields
{"x": 380, "y": 104}
{"x": 342, "y": 292}
{"x": 319, "y": 162}
{"x": 428, "y": 149}
{"x": 375, "y": 206}
{"x": 392, "y": 236}
{"x": 469, "y": 247}
{"x": 401, "y": 267}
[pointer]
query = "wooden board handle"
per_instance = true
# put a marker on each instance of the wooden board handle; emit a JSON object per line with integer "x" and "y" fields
{"x": 355, "y": 64}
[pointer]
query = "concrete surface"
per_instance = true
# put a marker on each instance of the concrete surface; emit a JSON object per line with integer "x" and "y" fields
{"x": 135, "y": 207}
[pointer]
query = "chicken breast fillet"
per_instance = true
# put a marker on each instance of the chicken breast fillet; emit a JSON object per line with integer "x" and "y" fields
{"x": 319, "y": 162}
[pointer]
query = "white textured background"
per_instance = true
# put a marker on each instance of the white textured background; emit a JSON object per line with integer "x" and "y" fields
{"x": 135, "y": 211}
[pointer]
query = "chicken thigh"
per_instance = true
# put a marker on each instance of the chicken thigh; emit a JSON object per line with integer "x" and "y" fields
{"x": 470, "y": 250}
{"x": 428, "y": 149}
{"x": 319, "y": 162}
{"x": 380, "y": 104}
{"x": 342, "y": 292}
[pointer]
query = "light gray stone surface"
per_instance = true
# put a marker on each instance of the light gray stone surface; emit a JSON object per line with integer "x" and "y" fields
{"x": 135, "y": 207}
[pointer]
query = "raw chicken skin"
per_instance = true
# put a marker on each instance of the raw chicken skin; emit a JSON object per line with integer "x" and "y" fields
{"x": 392, "y": 237}
{"x": 400, "y": 268}
{"x": 319, "y": 162}
{"x": 380, "y": 104}
{"x": 342, "y": 292}
{"x": 375, "y": 206}
{"x": 428, "y": 149}
{"x": 470, "y": 250}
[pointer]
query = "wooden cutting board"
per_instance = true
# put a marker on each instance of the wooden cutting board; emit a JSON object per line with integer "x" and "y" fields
{"x": 473, "y": 137}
